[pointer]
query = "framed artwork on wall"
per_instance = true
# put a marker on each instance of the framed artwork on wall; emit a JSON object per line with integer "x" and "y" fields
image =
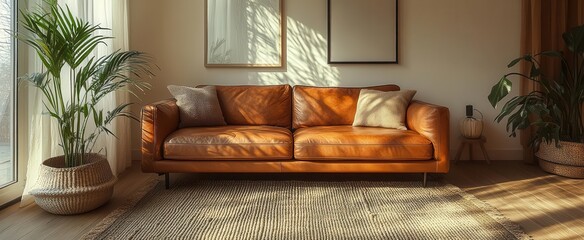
{"x": 244, "y": 33}
{"x": 363, "y": 31}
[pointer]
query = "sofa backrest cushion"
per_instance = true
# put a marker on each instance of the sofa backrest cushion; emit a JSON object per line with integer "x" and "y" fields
{"x": 256, "y": 105}
{"x": 328, "y": 106}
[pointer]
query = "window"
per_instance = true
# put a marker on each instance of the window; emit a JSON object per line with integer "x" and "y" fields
{"x": 7, "y": 94}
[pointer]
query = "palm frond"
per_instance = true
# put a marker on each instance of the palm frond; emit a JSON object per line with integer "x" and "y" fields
{"x": 60, "y": 39}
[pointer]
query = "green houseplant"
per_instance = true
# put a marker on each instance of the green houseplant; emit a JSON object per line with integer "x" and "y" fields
{"x": 554, "y": 110}
{"x": 73, "y": 83}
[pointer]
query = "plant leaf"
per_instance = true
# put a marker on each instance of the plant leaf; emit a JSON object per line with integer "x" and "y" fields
{"x": 574, "y": 39}
{"x": 500, "y": 90}
{"x": 534, "y": 72}
{"x": 515, "y": 61}
{"x": 551, "y": 53}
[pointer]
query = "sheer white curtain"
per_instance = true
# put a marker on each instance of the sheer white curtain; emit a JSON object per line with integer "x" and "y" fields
{"x": 113, "y": 14}
{"x": 43, "y": 136}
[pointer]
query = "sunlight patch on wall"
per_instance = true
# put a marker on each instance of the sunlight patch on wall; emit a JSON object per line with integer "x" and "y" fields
{"x": 305, "y": 62}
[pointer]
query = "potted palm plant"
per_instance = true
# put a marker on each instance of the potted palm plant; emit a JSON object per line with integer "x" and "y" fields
{"x": 554, "y": 110}
{"x": 73, "y": 83}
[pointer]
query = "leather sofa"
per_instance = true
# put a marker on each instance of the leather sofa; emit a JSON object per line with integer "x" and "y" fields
{"x": 281, "y": 128}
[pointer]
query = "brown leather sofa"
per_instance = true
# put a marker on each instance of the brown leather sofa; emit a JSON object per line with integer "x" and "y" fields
{"x": 301, "y": 129}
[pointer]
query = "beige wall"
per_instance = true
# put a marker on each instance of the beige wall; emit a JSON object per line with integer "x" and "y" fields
{"x": 451, "y": 51}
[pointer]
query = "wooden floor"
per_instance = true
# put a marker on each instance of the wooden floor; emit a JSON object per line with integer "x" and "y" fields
{"x": 31, "y": 222}
{"x": 546, "y": 206}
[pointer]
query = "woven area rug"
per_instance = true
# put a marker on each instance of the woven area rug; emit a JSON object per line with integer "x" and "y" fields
{"x": 244, "y": 209}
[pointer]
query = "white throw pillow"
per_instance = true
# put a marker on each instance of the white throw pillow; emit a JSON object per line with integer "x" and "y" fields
{"x": 383, "y": 109}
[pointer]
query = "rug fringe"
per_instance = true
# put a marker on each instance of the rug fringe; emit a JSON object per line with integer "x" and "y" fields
{"x": 511, "y": 226}
{"x": 105, "y": 223}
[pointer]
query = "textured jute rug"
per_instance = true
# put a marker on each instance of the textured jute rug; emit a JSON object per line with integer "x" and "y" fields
{"x": 244, "y": 209}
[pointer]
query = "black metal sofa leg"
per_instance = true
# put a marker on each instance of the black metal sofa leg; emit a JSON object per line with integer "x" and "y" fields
{"x": 166, "y": 180}
{"x": 425, "y": 178}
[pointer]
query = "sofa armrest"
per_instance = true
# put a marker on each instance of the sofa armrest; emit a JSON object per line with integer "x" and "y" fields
{"x": 158, "y": 120}
{"x": 433, "y": 122}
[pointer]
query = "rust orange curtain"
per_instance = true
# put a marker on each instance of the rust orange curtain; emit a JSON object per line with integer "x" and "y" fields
{"x": 542, "y": 25}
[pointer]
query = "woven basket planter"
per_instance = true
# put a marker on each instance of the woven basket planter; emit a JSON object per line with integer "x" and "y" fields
{"x": 73, "y": 190}
{"x": 567, "y": 161}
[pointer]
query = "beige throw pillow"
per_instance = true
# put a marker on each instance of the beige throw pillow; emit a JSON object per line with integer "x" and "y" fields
{"x": 383, "y": 109}
{"x": 197, "y": 106}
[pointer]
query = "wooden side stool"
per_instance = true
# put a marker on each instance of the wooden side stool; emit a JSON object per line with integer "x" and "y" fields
{"x": 469, "y": 142}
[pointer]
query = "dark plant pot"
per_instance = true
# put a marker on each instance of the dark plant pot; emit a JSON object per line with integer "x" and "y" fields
{"x": 567, "y": 161}
{"x": 73, "y": 190}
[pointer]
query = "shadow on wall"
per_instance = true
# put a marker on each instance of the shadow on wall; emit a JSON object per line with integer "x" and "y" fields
{"x": 262, "y": 48}
{"x": 305, "y": 62}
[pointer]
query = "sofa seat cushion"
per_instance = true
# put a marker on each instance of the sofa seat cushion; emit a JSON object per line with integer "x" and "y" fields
{"x": 360, "y": 143}
{"x": 229, "y": 143}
